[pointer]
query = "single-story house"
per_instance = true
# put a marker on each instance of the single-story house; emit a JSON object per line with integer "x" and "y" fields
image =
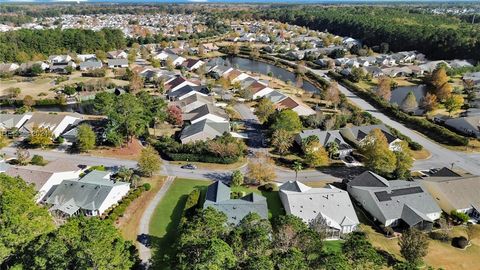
{"x": 203, "y": 130}
{"x": 57, "y": 123}
{"x": 469, "y": 125}
{"x": 330, "y": 206}
{"x": 194, "y": 101}
{"x": 86, "y": 57}
{"x": 119, "y": 54}
{"x": 8, "y": 67}
{"x": 59, "y": 59}
{"x": 206, "y": 112}
{"x": 192, "y": 64}
{"x": 62, "y": 67}
{"x": 177, "y": 83}
{"x": 297, "y": 106}
{"x": 325, "y": 137}
{"x": 117, "y": 63}
{"x": 90, "y": 65}
{"x": 186, "y": 91}
{"x": 454, "y": 191}
{"x": 218, "y": 197}
{"x": 45, "y": 178}
{"x": 259, "y": 89}
{"x": 357, "y": 134}
{"x": 11, "y": 121}
{"x": 236, "y": 76}
{"x": 395, "y": 203}
{"x": 275, "y": 96}
{"x": 90, "y": 195}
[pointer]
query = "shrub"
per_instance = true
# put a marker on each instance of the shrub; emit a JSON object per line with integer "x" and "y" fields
{"x": 459, "y": 217}
{"x": 37, "y": 160}
{"x": 441, "y": 235}
{"x": 120, "y": 209}
{"x": 191, "y": 203}
{"x": 460, "y": 242}
{"x": 268, "y": 187}
{"x": 147, "y": 186}
{"x": 236, "y": 194}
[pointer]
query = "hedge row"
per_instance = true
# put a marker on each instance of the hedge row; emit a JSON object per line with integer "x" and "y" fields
{"x": 411, "y": 144}
{"x": 192, "y": 202}
{"x": 120, "y": 209}
{"x": 19, "y": 103}
{"x": 431, "y": 130}
{"x": 198, "y": 158}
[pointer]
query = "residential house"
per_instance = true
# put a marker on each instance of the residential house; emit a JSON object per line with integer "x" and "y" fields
{"x": 218, "y": 197}
{"x": 203, "y": 130}
{"x": 206, "y": 112}
{"x": 395, "y": 203}
{"x": 90, "y": 65}
{"x": 117, "y": 63}
{"x": 329, "y": 206}
{"x": 162, "y": 56}
{"x": 469, "y": 125}
{"x": 186, "y": 92}
{"x": 45, "y": 178}
{"x": 26, "y": 66}
{"x": 192, "y": 64}
{"x": 90, "y": 195}
{"x": 210, "y": 47}
{"x": 454, "y": 191}
{"x": 259, "y": 89}
{"x": 357, "y": 134}
{"x": 193, "y": 102}
{"x": 8, "y": 67}
{"x": 56, "y": 123}
{"x": 177, "y": 83}
{"x": 275, "y": 96}
{"x": 397, "y": 71}
{"x": 176, "y": 60}
{"x": 59, "y": 59}
{"x": 375, "y": 71}
{"x": 430, "y": 66}
{"x": 325, "y": 137}
{"x": 235, "y": 76}
{"x": 13, "y": 121}
{"x": 297, "y": 106}
{"x": 217, "y": 71}
{"x": 86, "y": 57}
{"x": 119, "y": 54}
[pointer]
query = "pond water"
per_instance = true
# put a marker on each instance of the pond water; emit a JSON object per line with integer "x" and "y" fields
{"x": 263, "y": 68}
{"x": 80, "y": 108}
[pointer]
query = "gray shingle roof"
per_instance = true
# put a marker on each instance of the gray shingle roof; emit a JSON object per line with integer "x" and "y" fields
{"x": 218, "y": 197}
{"x": 324, "y": 137}
{"x": 208, "y": 129}
{"x": 357, "y": 133}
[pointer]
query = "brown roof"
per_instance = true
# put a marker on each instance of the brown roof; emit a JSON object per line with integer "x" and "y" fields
{"x": 233, "y": 74}
{"x": 288, "y": 103}
{"x": 256, "y": 87}
{"x": 30, "y": 175}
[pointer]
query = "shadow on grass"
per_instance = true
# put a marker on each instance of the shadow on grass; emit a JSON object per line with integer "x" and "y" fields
{"x": 163, "y": 249}
{"x": 275, "y": 207}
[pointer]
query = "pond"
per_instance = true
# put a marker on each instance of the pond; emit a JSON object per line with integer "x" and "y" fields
{"x": 265, "y": 69}
{"x": 84, "y": 108}
{"x": 399, "y": 93}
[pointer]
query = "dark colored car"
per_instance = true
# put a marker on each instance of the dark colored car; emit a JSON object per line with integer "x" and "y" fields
{"x": 189, "y": 167}
{"x": 349, "y": 159}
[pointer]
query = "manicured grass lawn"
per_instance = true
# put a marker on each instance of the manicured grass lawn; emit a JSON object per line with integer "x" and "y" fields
{"x": 167, "y": 215}
{"x": 333, "y": 246}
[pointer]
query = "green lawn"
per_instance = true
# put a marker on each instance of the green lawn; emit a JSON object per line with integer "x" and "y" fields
{"x": 333, "y": 245}
{"x": 167, "y": 215}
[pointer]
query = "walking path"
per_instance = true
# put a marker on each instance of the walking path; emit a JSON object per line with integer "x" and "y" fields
{"x": 144, "y": 251}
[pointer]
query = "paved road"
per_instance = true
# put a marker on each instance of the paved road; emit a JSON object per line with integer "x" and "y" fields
{"x": 144, "y": 251}
{"x": 82, "y": 159}
{"x": 441, "y": 156}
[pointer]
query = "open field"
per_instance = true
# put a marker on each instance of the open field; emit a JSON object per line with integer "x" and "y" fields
{"x": 128, "y": 224}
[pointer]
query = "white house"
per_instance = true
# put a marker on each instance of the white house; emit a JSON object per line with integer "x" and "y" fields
{"x": 329, "y": 206}
{"x": 45, "y": 177}
{"x": 86, "y": 57}
{"x": 177, "y": 83}
{"x": 117, "y": 63}
{"x": 91, "y": 195}
{"x": 206, "y": 112}
{"x": 56, "y": 123}
{"x": 119, "y": 54}
{"x": 299, "y": 107}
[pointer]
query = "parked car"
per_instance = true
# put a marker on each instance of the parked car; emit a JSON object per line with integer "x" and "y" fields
{"x": 189, "y": 167}
{"x": 349, "y": 159}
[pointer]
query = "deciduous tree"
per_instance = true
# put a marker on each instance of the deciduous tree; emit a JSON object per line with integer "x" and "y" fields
{"x": 264, "y": 110}
{"x": 237, "y": 178}
{"x": 413, "y": 246}
{"x": 287, "y": 120}
{"x": 454, "y": 103}
{"x": 86, "y": 138}
{"x": 41, "y": 136}
{"x": 149, "y": 161}
{"x": 332, "y": 94}
{"x": 409, "y": 103}
{"x": 429, "y": 102}
{"x": 360, "y": 252}
{"x": 315, "y": 154}
{"x": 282, "y": 140}
{"x": 384, "y": 88}
{"x": 261, "y": 169}
{"x": 404, "y": 160}
{"x": 378, "y": 157}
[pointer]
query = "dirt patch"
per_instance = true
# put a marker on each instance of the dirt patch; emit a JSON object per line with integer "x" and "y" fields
{"x": 130, "y": 151}
{"x": 421, "y": 154}
{"x": 128, "y": 224}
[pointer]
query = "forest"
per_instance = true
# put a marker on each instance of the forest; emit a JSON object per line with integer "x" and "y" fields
{"x": 23, "y": 45}
{"x": 437, "y": 36}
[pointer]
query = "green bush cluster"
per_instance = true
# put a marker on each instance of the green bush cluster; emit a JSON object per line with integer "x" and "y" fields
{"x": 37, "y": 160}
{"x": 120, "y": 209}
{"x": 413, "y": 145}
{"x": 459, "y": 217}
{"x": 433, "y": 131}
{"x": 96, "y": 73}
{"x": 192, "y": 201}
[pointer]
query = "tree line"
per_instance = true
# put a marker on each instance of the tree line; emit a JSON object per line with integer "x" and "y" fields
{"x": 26, "y": 44}
{"x": 438, "y": 36}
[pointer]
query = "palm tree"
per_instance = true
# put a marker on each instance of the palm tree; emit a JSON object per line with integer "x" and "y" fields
{"x": 297, "y": 166}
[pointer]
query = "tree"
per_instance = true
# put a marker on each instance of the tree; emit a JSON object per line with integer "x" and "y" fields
{"x": 28, "y": 101}
{"x": 378, "y": 157}
{"x": 233, "y": 49}
{"x": 169, "y": 64}
{"x": 315, "y": 154}
{"x": 404, "y": 160}
{"x": 360, "y": 252}
{"x": 136, "y": 82}
{"x": 22, "y": 219}
{"x": 3, "y": 140}
{"x": 264, "y": 110}
{"x": 149, "y": 161}
{"x": 291, "y": 259}
{"x": 35, "y": 70}
{"x": 297, "y": 166}
{"x": 83, "y": 243}
{"x": 282, "y": 140}
{"x": 37, "y": 160}
{"x": 453, "y": 103}
{"x": 287, "y": 120}
{"x": 332, "y": 149}
{"x": 409, "y": 103}
{"x": 444, "y": 91}
{"x": 237, "y": 178}
{"x": 41, "y": 136}
{"x": 261, "y": 169}
{"x": 413, "y": 246}
{"x": 429, "y": 102}
{"x": 384, "y": 88}
{"x": 357, "y": 74}
{"x": 13, "y": 92}
{"x": 86, "y": 138}
{"x": 332, "y": 94}
{"x": 174, "y": 115}
{"x": 22, "y": 156}
{"x": 439, "y": 77}
{"x": 201, "y": 50}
